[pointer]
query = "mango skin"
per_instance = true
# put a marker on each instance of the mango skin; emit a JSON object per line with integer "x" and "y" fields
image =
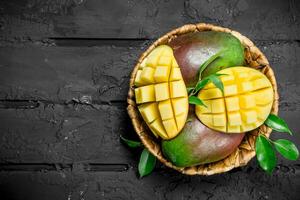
{"x": 197, "y": 144}
{"x": 193, "y": 49}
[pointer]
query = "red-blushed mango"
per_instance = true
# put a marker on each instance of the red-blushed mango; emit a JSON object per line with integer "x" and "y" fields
{"x": 192, "y": 50}
{"x": 197, "y": 144}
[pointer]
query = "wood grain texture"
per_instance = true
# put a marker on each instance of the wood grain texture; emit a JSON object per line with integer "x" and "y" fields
{"x": 64, "y": 134}
{"x": 37, "y": 20}
{"x": 78, "y": 97}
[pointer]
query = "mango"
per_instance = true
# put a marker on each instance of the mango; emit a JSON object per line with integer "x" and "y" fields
{"x": 161, "y": 93}
{"x": 197, "y": 144}
{"x": 245, "y": 104}
{"x": 192, "y": 50}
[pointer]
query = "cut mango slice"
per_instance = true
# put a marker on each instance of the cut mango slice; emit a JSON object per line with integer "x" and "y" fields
{"x": 161, "y": 93}
{"x": 245, "y": 105}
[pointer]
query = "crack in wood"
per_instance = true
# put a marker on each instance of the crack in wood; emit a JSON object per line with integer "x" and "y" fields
{"x": 31, "y": 104}
{"x": 87, "y": 167}
{"x": 90, "y": 42}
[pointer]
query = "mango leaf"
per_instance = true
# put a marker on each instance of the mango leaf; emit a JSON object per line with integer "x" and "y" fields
{"x": 196, "y": 101}
{"x": 131, "y": 143}
{"x": 287, "y": 149}
{"x": 265, "y": 154}
{"x": 189, "y": 89}
{"x": 201, "y": 84}
{"x": 277, "y": 124}
{"x": 208, "y": 61}
{"x": 217, "y": 82}
{"x": 147, "y": 163}
{"x": 214, "y": 78}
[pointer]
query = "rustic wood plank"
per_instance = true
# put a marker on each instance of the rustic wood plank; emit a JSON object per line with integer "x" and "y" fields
{"x": 37, "y": 20}
{"x": 65, "y": 134}
{"x": 61, "y": 74}
{"x": 246, "y": 183}
{"x": 78, "y": 84}
{"x": 100, "y": 73}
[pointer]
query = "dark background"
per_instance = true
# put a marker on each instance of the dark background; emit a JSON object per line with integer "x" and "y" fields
{"x": 64, "y": 72}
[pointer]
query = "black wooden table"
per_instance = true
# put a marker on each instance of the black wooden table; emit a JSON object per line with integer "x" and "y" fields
{"x": 64, "y": 72}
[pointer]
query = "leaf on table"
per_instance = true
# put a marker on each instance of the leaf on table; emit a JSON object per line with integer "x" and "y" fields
{"x": 265, "y": 154}
{"x": 131, "y": 143}
{"x": 196, "y": 101}
{"x": 287, "y": 149}
{"x": 147, "y": 163}
{"x": 277, "y": 124}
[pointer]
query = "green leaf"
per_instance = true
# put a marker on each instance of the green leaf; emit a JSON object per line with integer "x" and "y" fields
{"x": 131, "y": 143}
{"x": 265, "y": 154}
{"x": 287, "y": 149}
{"x": 147, "y": 163}
{"x": 207, "y": 62}
{"x": 196, "y": 101}
{"x": 189, "y": 89}
{"x": 217, "y": 82}
{"x": 201, "y": 84}
{"x": 214, "y": 78}
{"x": 277, "y": 124}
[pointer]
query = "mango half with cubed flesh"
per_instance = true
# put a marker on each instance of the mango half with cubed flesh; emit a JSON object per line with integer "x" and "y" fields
{"x": 245, "y": 104}
{"x": 161, "y": 93}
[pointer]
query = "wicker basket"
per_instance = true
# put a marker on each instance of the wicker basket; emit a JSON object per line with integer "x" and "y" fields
{"x": 246, "y": 150}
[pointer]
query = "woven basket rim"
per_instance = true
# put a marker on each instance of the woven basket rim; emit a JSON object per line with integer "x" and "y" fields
{"x": 245, "y": 152}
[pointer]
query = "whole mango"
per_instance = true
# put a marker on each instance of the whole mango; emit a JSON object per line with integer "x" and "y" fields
{"x": 197, "y": 144}
{"x": 217, "y": 50}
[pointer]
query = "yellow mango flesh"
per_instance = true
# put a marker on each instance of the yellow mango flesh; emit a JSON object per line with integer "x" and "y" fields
{"x": 245, "y": 105}
{"x": 161, "y": 93}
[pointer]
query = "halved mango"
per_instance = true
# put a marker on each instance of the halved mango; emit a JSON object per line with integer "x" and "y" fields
{"x": 245, "y": 105}
{"x": 161, "y": 93}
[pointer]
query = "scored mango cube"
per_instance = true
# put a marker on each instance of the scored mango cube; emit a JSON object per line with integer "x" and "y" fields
{"x": 161, "y": 74}
{"x": 170, "y": 126}
{"x": 232, "y": 104}
{"x": 158, "y": 128}
{"x": 174, "y": 63}
{"x": 247, "y": 101}
{"x": 210, "y": 93}
{"x": 230, "y": 90}
{"x": 175, "y": 74}
{"x": 145, "y": 94}
{"x": 178, "y": 89}
{"x": 147, "y": 75}
{"x": 245, "y": 104}
{"x": 165, "y": 109}
{"x": 263, "y": 97}
{"x": 177, "y": 105}
{"x": 138, "y": 81}
{"x": 234, "y": 119}
{"x": 149, "y": 112}
{"x": 217, "y": 106}
{"x": 161, "y": 93}
{"x": 219, "y": 119}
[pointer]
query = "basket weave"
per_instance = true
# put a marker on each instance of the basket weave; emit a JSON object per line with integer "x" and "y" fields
{"x": 246, "y": 150}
